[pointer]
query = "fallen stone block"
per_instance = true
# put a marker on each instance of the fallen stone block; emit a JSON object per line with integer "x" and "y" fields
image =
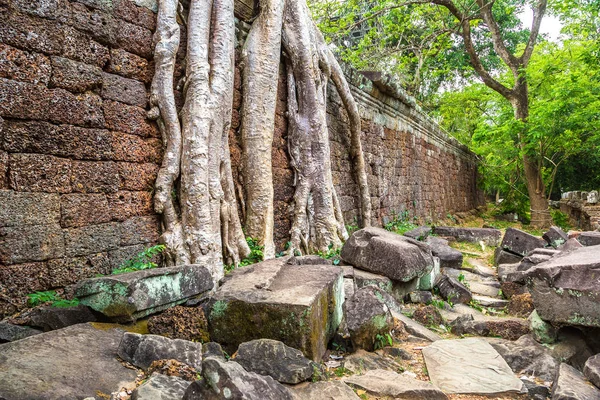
{"x": 10, "y": 332}
{"x": 383, "y": 383}
{"x": 127, "y": 297}
{"x": 565, "y": 289}
{"x": 519, "y": 242}
{"x": 161, "y": 387}
{"x": 299, "y": 305}
{"x": 229, "y": 380}
{"x": 527, "y": 357}
{"x": 367, "y": 318}
{"x": 364, "y": 278}
{"x": 361, "y": 361}
{"x": 449, "y": 257}
{"x": 329, "y": 390}
{"x": 506, "y": 328}
{"x": 491, "y": 302}
{"x": 274, "y": 359}
{"x": 143, "y": 350}
{"x": 592, "y": 370}
{"x": 51, "y": 318}
{"x": 476, "y": 368}
{"x": 555, "y": 236}
{"x": 505, "y": 257}
{"x": 420, "y": 296}
{"x": 570, "y": 384}
{"x": 421, "y": 233}
{"x": 70, "y": 363}
{"x": 452, "y": 290}
{"x": 589, "y": 238}
{"x": 415, "y": 328}
{"x": 395, "y": 256}
{"x": 569, "y": 245}
{"x": 489, "y": 236}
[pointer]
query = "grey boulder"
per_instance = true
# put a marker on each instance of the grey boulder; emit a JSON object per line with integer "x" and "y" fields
{"x": 452, "y": 290}
{"x": 367, "y": 317}
{"x": 449, "y": 257}
{"x": 143, "y": 350}
{"x": 592, "y": 370}
{"x": 555, "y": 236}
{"x": 275, "y": 359}
{"x": 161, "y": 387}
{"x": 570, "y": 384}
{"x": 10, "y": 332}
{"x": 386, "y": 383}
{"x": 519, "y": 242}
{"x": 395, "y": 256}
{"x": 525, "y": 356}
{"x": 591, "y": 238}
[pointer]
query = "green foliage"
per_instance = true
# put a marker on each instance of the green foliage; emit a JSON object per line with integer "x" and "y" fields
{"x": 560, "y": 219}
{"x": 461, "y": 278}
{"x": 331, "y": 254}
{"x": 438, "y": 303}
{"x": 382, "y": 341}
{"x": 50, "y": 296}
{"x": 400, "y": 223}
{"x": 256, "y": 255}
{"x": 141, "y": 261}
{"x": 340, "y": 371}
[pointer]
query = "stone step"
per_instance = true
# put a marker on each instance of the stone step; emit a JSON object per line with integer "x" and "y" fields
{"x": 492, "y": 302}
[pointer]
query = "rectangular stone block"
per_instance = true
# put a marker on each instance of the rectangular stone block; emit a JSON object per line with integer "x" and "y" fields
{"x": 134, "y": 39}
{"x": 95, "y": 177}
{"x": 98, "y": 24}
{"x": 300, "y": 305}
{"x": 39, "y": 173}
{"x": 3, "y": 170}
{"x": 91, "y": 239}
{"x": 68, "y": 271}
{"x": 130, "y": 119}
{"x": 16, "y": 30}
{"x": 124, "y": 204}
{"x": 138, "y": 230}
{"x": 135, "y": 14}
{"x": 74, "y": 76}
{"x": 24, "y": 66}
{"x": 119, "y": 256}
{"x": 78, "y": 46}
{"x": 84, "y": 109}
{"x": 22, "y": 208}
{"x": 26, "y": 243}
{"x": 62, "y": 140}
{"x": 124, "y": 90}
{"x": 78, "y": 210}
{"x": 21, "y": 279}
{"x": 127, "y": 297}
{"x": 137, "y": 177}
{"x": 130, "y": 66}
{"x": 136, "y": 149}
{"x": 50, "y": 9}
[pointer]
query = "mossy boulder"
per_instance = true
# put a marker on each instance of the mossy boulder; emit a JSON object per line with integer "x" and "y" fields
{"x": 128, "y": 297}
{"x": 368, "y": 318}
{"x": 299, "y": 305}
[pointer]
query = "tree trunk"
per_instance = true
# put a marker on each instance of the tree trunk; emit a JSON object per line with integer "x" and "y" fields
{"x": 536, "y": 189}
{"x": 260, "y": 60}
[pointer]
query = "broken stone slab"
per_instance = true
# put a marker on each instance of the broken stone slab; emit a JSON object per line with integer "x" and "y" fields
{"x": 569, "y": 245}
{"x": 478, "y": 267}
{"x": 527, "y": 357}
{"x": 361, "y": 361}
{"x": 161, "y": 387}
{"x": 51, "y": 318}
{"x": 482, "y": 289}
{"x": 449, "y": 257}
{"x": 469, "y": 366}
{"x": 328, "y": 390}
{"x": 367, "y": 317}
{"x": 143, "y": 350}
{"x": 421, "y": 233}
{"x": 589, "y": 238}
{"x": 10, "y": 332}
{"x": 229, "y": 380}
{"x": 420, "y": 296}
{"x": 415, "y": 328}
{"x": 511, "y": 273}
{"x": 380, "y": 382}
{"x": 364, "y": 278}
{"x": 545, "y": 251}
{"x": 565, "y": 289}
{"x": 591, "y": 370}
{"x": 506, "y": 328}
{"x": 489, "y": 236}
{"x": 570, "y": 384}
{"x": 130, "y": 296}
{"x": 492, "y": 302}
{"x": 395, "y": 256}
{"x": 522, "y": 243}
{"x": 452, "y": 290}
{"x": 275, "y": 359}
{"x": 70, "y": 363}
{"x": 531, "y": 260}
{"x": 299, "y": 305}
{"x": 505, "y": 257}
{"x": 555, "y": 236}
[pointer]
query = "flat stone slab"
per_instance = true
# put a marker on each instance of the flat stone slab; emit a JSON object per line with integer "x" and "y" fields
{"x": 395, "y": 256}
{"x": 380, "y": 382}
{"x": 161, "y": 387}
{"x": 522, "y": 243}
{"x": 364, "y": 278}
{"x": 469, "y": 366}
{"x": 299, "y": 305}
{"x": 130, "y": 296}
{"x": 415, "y": 328}
{"x": 489, "y": 236}
{"x": 70, "y": 363}
{"x": 570, "y": 384}
{"x": 328, "y": 390}
{"x": 490, "y": 301}
{"x": 565, "y": 288}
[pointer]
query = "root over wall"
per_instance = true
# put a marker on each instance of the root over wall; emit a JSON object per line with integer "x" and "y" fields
{"x": 78, "y": 157}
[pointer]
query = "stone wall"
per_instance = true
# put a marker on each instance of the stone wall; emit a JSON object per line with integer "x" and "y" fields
{"x": 78, "y": 157}
{"x": 582, "y": 208}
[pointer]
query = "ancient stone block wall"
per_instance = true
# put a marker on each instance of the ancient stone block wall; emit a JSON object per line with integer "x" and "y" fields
{"x": 78, "y": 157}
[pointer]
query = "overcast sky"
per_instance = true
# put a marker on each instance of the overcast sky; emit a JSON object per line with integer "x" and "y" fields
{"x": 550, "y": 24}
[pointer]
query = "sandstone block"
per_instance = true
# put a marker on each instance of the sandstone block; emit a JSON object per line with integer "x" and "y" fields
{"x": 449, "y": 257}
{"x": 380, "y": 382}
{"x": 589, "y": 238}
{"x": 386, "y": 253}
{"x": 300, "y": 305}
{"x": 161, "y": 387}
{"x": 83, "y": 209}
{"x": 91, "y": 239}
{"x": 25, "y": 208}
{"x": 143, "y": 350}
{"x": 134, "y": 295}
{"x": 519, "y": 242}
{"x": 452, "y": 290}
{"x": 555, "y": 236}
{"x": 367, "y": 317}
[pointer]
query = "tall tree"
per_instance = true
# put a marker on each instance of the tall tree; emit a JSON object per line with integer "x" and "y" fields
{"x": 194, "y": 190}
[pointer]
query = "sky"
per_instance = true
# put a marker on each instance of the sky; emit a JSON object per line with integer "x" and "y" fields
{"x": 550, "y": 24}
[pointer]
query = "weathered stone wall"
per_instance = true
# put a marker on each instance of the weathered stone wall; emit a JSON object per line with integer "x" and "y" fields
{"x": 78, "y": 157}
{"x": 582, "y": 208}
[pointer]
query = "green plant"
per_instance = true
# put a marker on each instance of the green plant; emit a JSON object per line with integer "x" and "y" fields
{"x": 340, "y": 371}
{"x": 50, "y": 296}
{"x": 383, "y": 340}
{"x": 438, "y": 303}
{"x": 331, "y": 254}
{"x": 560, "y": 219}
{"x": 256, "y": 255}
{"x": 353, "y": 227}
{"x": 400, "y": 223}
{"x": 461, "y": 278}
{"x": 141, "y": 261}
